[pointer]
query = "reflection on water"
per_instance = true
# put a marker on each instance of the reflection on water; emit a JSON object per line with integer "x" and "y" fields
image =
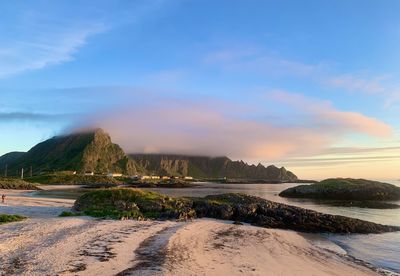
{"x": 382, "y": 250}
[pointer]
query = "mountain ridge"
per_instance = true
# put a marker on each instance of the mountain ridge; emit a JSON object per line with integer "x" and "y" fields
{"x": 209, "y": 167}
{"x": 94, "y": 151}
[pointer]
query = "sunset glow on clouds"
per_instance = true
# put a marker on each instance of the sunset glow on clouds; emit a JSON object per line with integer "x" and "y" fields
{"x": 292, "y": 86}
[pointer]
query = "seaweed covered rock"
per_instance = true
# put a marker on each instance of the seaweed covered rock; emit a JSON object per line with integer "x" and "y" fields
{"x": 138, "y": 204}
{"x": 265, "y": 213}
{"x": 133, "y": 203}
{"x": 345, "y": 189}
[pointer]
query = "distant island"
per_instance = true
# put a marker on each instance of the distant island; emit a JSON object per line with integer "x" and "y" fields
{"x": 345, "y": 189}
{"x": 93, "y": 153}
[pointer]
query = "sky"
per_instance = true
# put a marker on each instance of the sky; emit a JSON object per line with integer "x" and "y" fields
{"x": 310, "y": 85}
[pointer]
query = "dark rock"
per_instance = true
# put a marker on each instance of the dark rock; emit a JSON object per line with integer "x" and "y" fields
{"x": 345, "y": 189}
{"x": 138, "y": 204}
{"x": 270, "y": 214}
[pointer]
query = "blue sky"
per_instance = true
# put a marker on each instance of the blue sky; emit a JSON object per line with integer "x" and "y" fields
{"x": 291, "y": 82}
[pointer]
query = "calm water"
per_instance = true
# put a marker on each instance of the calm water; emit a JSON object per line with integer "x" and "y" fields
{"x": 381, "y": 250}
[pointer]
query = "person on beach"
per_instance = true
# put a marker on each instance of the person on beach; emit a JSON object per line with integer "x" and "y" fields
{"x": 3, "y": 198}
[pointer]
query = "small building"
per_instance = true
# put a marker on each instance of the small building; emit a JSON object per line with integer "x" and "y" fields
{"x": 135, "y": 177}
{"x": 114, "y": 174}
{"x": 149, "y": 177}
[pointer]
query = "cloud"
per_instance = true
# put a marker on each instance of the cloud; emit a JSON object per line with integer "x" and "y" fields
{"x": 323, "y": 115}
{"x": 353, "y": 83}
{"x": 221, "y": 128}
{"x": 41, "y": 47}
{"x": 33, "y": 117}
{"x": 39, "y": 34}
{"x": 393, "y": 98}
{"x": 254, "y": 60}
{"x": 258, "y": 61}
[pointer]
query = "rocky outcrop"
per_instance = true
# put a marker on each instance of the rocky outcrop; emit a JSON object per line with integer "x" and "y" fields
{"x": 210, "y": 167}
{"x": 138, "y": 204}
{"x": 345, "y": 189}
{"x": 265, "y": 213}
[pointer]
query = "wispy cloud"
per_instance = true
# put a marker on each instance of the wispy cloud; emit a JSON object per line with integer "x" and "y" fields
{"x": 42, "y": 33}
{"x": 58, "y": 47}
{"x": 258, "y": 61}
{"x": 34, "y": 117}
{"x": 351, "y": 82}
{"x": 39, "y": 39}
{"x": 252, "y": 59}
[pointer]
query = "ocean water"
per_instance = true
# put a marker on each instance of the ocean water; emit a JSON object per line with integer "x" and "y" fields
{"x": 380, "y": 250}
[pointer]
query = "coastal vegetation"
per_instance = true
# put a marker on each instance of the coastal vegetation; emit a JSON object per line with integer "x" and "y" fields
{"x": 4, "y": 218}
{"x": 345, "y": 189}
{"x": 17, "y": 184}
{"x": 70, "y": 179}
{"x": 125, "y": 203}
{"x": 133, "y": 204}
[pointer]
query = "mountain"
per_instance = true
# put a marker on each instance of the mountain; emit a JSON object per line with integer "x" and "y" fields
{"x": 209, "y": 167}
{"x": 86, "y": 151}
{"x": 93, "y": 151}
{"x": 10, "y": 157}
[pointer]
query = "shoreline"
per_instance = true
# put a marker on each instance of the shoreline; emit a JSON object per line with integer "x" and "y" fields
{"x": 91, "y": 246}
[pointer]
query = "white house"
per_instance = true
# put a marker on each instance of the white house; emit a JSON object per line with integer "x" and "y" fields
{"x": 114, "y": 174}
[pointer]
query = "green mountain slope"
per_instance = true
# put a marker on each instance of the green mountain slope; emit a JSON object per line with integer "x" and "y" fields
{"x": 88, "y": 151}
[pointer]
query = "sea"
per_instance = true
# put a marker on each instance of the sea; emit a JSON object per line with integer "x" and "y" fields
{"x": 380, "y": 250}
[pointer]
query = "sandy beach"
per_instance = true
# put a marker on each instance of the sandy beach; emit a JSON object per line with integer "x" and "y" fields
{"x": 47, "y": 244}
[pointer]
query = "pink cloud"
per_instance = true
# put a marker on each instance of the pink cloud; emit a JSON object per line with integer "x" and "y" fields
{"x": 214, "y": 128}
{"x": 324, "y": 115}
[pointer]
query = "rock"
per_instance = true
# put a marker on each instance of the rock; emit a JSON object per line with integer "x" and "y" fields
{"x": 345, "y": 189}
{"x": 138, "y": 204}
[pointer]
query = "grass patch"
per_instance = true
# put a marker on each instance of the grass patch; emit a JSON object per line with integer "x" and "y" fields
{"x": 17, "y": 184}
{"x": 65, "y": 179}
{"x": 4, "y": 218}
{"x": 70, "y": 214}
{"x": 132, "y": 203}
